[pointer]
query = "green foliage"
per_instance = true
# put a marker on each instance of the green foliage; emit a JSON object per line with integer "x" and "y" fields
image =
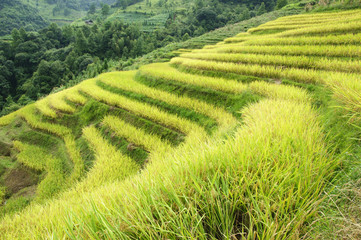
{"x": 92, "y": 9}
{"x": 15, "y": 14}
{"x": 105, "y": 10}
{"x": 281, "y": 3}
{"x": 14, "y": 205}
{"x": 262, "y": 9}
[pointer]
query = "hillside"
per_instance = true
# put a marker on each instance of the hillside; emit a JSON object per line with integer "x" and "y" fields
{"x": 35, "y": 64}
{"x": 238, "y": 140}
{"x": 15, "y": 14}
{"x": 34, "y": 15}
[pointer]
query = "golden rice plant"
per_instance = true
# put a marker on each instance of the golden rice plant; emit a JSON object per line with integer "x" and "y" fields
{"x": 145, "y": 110}
{"x": 45, "y": 109}
{"x": 280, "y": 60}
{"x": 256, "y": 158}
{"x": 135, "y": 135}
{"x": 2, "y": 194}
{"x": 245, "y": 38}
{"x": 326, "y": 29}
{"x": 276, "y": 27}
{"x": 309, "y": 23}
{"x": 57, "y": 101}
{"x": 74, "y": 96}
{"x": 125, "y": 81}
{"x": 30, "y": 116}
{"x": 315, "y": 16}
{"x": 314, "y": 20}
{"x": 74, "y": 154}
{"x": 31, "y": 155}
{"x": 7, "y": 119}
{"x": 36, "y": 158}
{"x": 301, "y": 75}
{"x": 347, "y": 89}
{"x": 342, "y": 39}
{"x": 242, "y": 34}
{"x": 275, "y": 91}
{"x": 110, "y": 165}
{"x": 165, "y": 71}
{"x": 310, "y": 50}
{"x": 34, "y": 120}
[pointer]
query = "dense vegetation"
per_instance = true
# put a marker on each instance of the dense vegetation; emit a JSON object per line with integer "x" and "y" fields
{"x": 34, "y": 63}
{"x": 242, "y": 139}
{"x": 15, "y": 14}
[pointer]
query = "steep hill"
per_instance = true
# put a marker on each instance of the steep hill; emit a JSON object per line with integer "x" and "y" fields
{"x": 235, "y": 140}
{"x": 15, "y": 14}
{"x": 34, "y": 15}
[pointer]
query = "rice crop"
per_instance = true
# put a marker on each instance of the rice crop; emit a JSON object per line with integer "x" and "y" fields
{"x": 310, "y": 50}
{"x": 136, "y": 135}
{"x": 313, "y": 20}
{"x": 274, "y": 91}
{"x": 110, "y": 164}
{"x": 36, "y": 158}
{"x": 281, "y": 60}
{"x": 144, "y": 110}
{"x": 275, "y": 27}
{"x": 347, "y": 89}
{"x": 2, "y": 194}
{"x": 74, "y": 96}
{"x": 45, "y": 109}
{"x": 326, "y": 29}
{"x": 57, "y": 101}
{"x": 262, "y": 177}
{"x": 301, "y": 75}
{"x": 165, "y": 71}
{"x": 315, "y": 16}
{"x": 273, "y": 129}
{"x": 125, "y": 81}
{"x": 344, "y": 39}
{"x": 30, "y": 116}
{"x": 7, "y": 119}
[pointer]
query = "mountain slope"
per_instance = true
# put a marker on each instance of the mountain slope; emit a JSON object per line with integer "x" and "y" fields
{"x": 14, "y": 14}
{"x": 228, "y": 141}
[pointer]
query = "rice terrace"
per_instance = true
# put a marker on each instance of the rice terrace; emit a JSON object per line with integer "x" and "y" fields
{"x": 254, "y": 137}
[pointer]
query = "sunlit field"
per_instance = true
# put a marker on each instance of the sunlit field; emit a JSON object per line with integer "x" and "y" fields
{"x": 233, "y": 141}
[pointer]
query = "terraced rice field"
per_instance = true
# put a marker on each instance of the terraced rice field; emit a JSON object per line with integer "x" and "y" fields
{"x": 224, "y": 142}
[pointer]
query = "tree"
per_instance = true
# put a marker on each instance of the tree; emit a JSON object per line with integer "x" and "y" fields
{"x": 246, "y": 14}
{"x": 81, "y": 43}
{"x": 262, "y": 9}
{"x": 66, "y": 12}
{"x": 185, "y": 37}
{"x": 105, "y": 10}
{"x": 122, "y": 3}
{"x": 281, "y": 4}
{"x": 92, "y": 9}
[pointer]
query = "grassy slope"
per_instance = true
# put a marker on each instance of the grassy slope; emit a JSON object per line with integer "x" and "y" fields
{"x": 171, "y": 151}
{"x": 46, "y": 11}
{"x": 15, "y": 14}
